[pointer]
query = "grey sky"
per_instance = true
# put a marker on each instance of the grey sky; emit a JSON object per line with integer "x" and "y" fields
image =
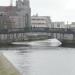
{"x": 59, "y": 10}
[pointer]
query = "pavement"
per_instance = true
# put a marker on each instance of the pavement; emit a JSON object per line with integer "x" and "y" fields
{"x": 7, "y": 68}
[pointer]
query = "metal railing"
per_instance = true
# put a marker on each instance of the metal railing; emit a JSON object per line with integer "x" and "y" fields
{"x": 36, "y": 29}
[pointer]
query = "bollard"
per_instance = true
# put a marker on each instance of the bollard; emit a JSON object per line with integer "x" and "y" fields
{"x": 7, "y": 68}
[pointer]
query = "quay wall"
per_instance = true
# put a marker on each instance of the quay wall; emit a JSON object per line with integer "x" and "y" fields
{"x": 68, "y": 43}
{"x": 15, "y": 37}
{"x": 61, "y": 36}
{"x": 7, "y": 68}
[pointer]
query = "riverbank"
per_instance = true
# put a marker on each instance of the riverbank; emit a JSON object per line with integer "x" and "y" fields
{"x": 68, "y": 43}
{"x": 65, "y": 43}
{"x": 6, "y": 68}
{"x": 28, "y": 39}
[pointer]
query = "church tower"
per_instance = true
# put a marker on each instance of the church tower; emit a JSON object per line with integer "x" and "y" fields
{"x": 26, "y": 3}
{"x": 24, "y": 13}
{"x": 27, "y": 13}
{"x": 19, "y": 4}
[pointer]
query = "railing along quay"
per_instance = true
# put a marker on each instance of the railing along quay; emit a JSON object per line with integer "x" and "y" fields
{"x": 47, "y": 30}
{"x": 20, "y": 34}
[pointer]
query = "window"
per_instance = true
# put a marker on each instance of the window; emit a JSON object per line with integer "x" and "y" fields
{"x": 26, "y": 20}
{"x": 58, "y": 25}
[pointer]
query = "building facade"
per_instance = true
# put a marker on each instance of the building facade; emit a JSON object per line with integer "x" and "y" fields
{"x": 72, "y": 25}
{"x": 41, "y": 21}
{"x": 5, "y": 22}
{"x": 58, "y": 25}
{"x": 24, "y": 13}
{"x": 19, "y": 14}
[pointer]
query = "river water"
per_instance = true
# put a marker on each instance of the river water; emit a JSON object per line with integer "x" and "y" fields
{"x": 42, "y": 60}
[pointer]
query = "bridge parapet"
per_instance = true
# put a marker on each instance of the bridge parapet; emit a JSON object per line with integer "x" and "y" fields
{"x": 17, "y": 34}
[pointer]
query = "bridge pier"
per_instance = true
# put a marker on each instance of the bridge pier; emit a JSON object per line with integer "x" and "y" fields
{"x": 22, "y": 36}
{"x": 73, "y": 36}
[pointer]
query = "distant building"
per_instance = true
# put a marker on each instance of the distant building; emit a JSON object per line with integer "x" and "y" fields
{"x": 5, "y": 22}
{"x": 58, "y": 25}
{"x": 41, "y": 21}
{"x": 72, "y": 25}
{"x": 19, "y": 14}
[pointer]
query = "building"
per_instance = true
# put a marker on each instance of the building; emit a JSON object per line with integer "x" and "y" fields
{"x": 19, "y": 14}
{"x": 5, "y": 22}
{"x": 13, "y": 18}
{"x": 72, "y": 25}
{"x": 58, "y": 25}
{"x": 41, "y": 21}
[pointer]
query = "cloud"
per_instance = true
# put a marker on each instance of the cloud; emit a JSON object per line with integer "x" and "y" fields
{"x": 57, "y": 9}
{"x": 70, "y": 5}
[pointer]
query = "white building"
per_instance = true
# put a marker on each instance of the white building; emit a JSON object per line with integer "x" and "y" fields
{"x": 58, "y": 25}
{"x": 40, "y": 21}
{"x": 19, "y": 14}
{"x": 72, "y": 25}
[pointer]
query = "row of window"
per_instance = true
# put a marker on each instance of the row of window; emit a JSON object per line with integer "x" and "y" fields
{"x": 38, "y": 19}
{"x": 38, "y": 23}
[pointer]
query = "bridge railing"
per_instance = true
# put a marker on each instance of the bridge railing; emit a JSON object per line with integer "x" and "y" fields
{"x": 37, "y": 29}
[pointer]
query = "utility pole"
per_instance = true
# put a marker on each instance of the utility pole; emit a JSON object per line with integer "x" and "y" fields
{"x": 67, "y": 25}
{"x": 11, "y": 2}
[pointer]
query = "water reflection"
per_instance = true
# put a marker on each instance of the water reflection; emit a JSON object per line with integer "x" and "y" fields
{"x": 23, "y": 57}
{"x": 20, "y": 59}
{"x": 42, "y": 60}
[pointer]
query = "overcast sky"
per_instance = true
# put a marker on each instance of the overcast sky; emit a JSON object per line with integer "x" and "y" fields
{"x": 59, "y": 10}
